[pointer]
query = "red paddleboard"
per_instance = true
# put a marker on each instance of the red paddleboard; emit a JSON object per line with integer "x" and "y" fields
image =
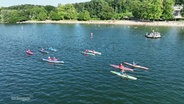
{"x": 125, "y": 68}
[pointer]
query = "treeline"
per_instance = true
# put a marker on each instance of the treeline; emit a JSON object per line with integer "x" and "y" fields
{"x": 95, "y": 9}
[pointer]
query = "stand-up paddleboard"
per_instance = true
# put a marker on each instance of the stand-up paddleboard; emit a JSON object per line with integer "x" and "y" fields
{"x": 124, "y": 75}
{"x": 53, "y": 61}
{"x": 117, "y": 66}
{"x": 136, "y": 66}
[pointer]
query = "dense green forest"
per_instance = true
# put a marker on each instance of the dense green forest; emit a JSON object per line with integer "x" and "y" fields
{"x": 93, "y": 10}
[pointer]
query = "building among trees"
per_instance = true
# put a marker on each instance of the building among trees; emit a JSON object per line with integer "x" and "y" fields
{"x": 177, "y": 11}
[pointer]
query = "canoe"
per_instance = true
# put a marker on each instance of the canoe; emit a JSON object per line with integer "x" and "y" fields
{"x": 44, "y": 52}
{"x": 88, "y": 53}
{"x": 94, "y": 52}
{"x": 53, "y": 61}
{"x": 29, "y": 52}
{"x": 136, "y": 66}
{"x": 125, "y": 68}
{"x": 124, "y": 75}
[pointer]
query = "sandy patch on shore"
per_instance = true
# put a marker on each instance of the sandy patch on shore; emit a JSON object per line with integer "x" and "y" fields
{"x": 118, "y": 22}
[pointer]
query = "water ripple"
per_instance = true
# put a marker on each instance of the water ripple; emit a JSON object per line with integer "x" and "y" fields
{"x": 87, "y": 79}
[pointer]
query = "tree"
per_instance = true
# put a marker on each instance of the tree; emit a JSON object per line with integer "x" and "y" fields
{"x": 95, "y": 7}
{"x": 49, "y": 9}
{"x": 23, "y": 15}
{"x": 84, "y": 16}
{"x": 67, "y": 11}
{"x": 122, "y": 8}
{"x": 0, "y": 15}
{"x": 119, "y": 6}
{"x": 38, "y": 13}
{"x": 61, "y": 11}
{"x": 106, "y": 13}
{"x": 9, "y": 16}
{"x": 54, "y": 15}
{"x": 42, "y": 15}
{"x": 167, "y": 9}
{"x": 70, "y": 12}
{"x": 156, "y": 10}
{"x": 79, "y": 7}
{"x": 147, "y": 9}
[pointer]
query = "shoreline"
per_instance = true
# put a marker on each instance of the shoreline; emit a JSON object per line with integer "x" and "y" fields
{"x": 115, "y": 22}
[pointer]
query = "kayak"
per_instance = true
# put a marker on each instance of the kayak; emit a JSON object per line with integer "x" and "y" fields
{"x": 117, "y": 66}
{"x": 124, "y": 75}
{"x": 29, "y": 52}
{"x": 94, "y": 52}
{"x": 136, "y": 66}
{"x": 53, "y": 61}
{"x": 44, "y": 52}
{"x": 52, "y": 49}
{"x": 88, "y": 53}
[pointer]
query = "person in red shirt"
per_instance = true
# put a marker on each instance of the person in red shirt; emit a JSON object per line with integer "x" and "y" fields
{"x": 121, "y": 68}
{"x": 54, "y": 59}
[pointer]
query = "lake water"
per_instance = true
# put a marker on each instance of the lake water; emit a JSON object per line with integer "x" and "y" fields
{"x": 87, "y": 79}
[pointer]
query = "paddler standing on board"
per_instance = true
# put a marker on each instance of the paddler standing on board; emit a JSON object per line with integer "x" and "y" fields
{"x": 91, "y": 35}
{"x": 121, "y": 68}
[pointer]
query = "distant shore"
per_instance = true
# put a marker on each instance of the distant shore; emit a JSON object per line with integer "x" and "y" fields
{"x": 118, "y": 22}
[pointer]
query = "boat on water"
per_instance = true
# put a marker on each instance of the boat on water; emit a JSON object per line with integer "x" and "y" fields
{"x": 29, "y": 52}
{"x": 88, "y": 53}
{"x": 124, "y": 75}
{"x": 52, "y": 49}
{"x": 125, "y": 68}
{"x": 153, "y": 35}
{"x": 134, "y": 65}
{"x": 94, "y": 52}
{"x": 53, "y": 61}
